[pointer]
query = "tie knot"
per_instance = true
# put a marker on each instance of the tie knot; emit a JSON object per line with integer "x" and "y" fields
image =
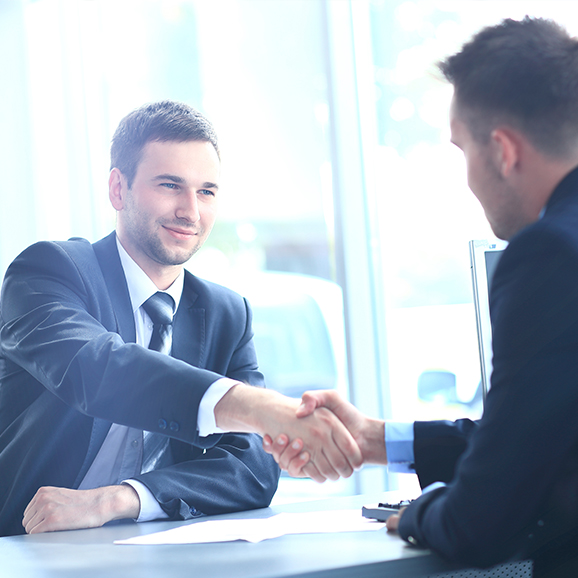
{"x": 160, "y": 308}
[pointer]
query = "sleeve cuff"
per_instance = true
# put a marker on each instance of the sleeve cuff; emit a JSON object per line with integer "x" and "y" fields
{"x": 206, "y": 416}
{"x": 399, "y": 446}
{"x": 149, "y": 507}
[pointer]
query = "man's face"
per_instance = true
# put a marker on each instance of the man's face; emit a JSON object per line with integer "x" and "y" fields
{"x": 168, "y": 213}
{"x": 500, "y": 201}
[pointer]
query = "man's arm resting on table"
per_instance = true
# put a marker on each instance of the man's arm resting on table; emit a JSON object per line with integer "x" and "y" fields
{"x": 54, "y": 509}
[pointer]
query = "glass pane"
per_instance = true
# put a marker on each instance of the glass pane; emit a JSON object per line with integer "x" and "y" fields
{"x": 257, "y": 70}
{"x": 427, "y": 215}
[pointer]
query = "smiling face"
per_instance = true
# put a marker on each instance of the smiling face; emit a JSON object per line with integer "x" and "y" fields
{"x": 168, "y": 213}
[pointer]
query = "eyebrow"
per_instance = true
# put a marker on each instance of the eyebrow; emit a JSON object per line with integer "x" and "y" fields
{"x": 181, "y": 181}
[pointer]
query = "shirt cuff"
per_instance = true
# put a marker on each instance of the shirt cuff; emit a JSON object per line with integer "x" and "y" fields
{"x": 433, "y": 486}
{"x": 399, "y": 447}
{"x": 206, "y": 423}
{"x": 149, "y": 507}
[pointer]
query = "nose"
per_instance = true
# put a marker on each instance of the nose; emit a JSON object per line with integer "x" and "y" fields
{"x": 188, "y": 208}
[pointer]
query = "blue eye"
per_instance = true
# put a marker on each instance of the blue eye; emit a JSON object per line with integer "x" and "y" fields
{"x": 207, "y": 192}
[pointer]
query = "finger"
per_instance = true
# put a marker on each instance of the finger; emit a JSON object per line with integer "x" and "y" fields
{"x": 268, "y": 444}
{"x": 392, "y": 523}
{"x": 30, "y": 513}
{"x": 348, "y": 448}
{"x": 341, "y": 450}
{"x": 338, "y": 463}
{"x": 312, "y": 472}
{"x": 311, "y": 400}
{"x": 27, "y": 520}
{"x": 278, "y": 446}
{"x": 35, "y": 526}
{"x": 318, "y": 398}
{"x": 33, "y": 522}
{"x": 296, "y": 465}
{"x": 324, "y": 466}
{"x": 290, "y": 452}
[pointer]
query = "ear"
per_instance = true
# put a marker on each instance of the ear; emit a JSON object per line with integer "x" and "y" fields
{"x": 506, "y": 150}
{"x": 116, "y": 189}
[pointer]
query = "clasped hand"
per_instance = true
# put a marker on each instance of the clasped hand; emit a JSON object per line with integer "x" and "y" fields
{"x": 293, "y": 452}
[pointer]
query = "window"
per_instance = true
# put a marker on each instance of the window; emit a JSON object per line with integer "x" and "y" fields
{"x": 345, "y": 210}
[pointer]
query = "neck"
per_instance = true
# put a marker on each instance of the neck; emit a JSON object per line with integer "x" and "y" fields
{"x": 541, "y": 182}
{"x": 164, "y": 279}
{"x": 163, "y": 276}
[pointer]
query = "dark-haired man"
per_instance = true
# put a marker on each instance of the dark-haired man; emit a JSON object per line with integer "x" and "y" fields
{"x": 512, "y": 479}
{"x": 97, "y": 421}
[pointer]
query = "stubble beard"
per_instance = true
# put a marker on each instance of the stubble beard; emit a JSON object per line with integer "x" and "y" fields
{"x": 148, "y": 241}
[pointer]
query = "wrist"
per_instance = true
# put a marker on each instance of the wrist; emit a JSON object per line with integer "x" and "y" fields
{"x": 372, "y": 442}
{"x": 119, "y": 502}
{"x": 245, "y": 408}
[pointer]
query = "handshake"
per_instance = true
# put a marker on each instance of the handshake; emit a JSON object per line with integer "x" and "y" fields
{"x": 322, "y": 437}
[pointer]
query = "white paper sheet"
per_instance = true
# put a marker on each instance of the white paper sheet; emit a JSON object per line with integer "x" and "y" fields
{"x": 256, "y": 530}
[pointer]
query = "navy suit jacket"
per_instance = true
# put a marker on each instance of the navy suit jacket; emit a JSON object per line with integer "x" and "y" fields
{"x": 513, "y": 478}
{"x": 69, "y": 367}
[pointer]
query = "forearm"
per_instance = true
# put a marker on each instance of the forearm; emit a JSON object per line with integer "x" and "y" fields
{"x": 253, "y": 410}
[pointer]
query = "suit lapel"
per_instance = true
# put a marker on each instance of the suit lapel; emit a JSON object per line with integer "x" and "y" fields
{"x": 109, "y": 261}
{"x": 189, "y": 332}
{"x": 107, "y": 255}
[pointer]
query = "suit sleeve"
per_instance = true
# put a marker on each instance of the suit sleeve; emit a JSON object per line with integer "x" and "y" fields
{"x": 59, "y": 328}
{"x": 510, "y": 489}
{"x": 235, "y": 473}
{"x": 438, "y": 445}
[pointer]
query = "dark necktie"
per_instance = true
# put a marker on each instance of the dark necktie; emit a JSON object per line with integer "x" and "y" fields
{"x": 160, "y": 308}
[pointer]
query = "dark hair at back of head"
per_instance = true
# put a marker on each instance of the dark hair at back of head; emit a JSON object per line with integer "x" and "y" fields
{"x": 159, "y": 121}
{"x": 522, "y": 73}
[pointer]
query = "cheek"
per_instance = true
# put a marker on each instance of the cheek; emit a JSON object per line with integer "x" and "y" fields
{"x": 208, "y": 214}
{"x": 474, "y": 176}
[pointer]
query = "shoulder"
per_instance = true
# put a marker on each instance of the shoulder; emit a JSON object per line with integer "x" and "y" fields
{"x": 46, "y": 264}
{"x": 45, "y": 255}
{"x": 533, "y": 299}
{"x": 548, "y": 247}
{"x": 207, "y": 293}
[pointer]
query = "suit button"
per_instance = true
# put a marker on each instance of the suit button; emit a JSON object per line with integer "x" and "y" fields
{"x": 412, "y": 540}
{"x": 162, "y": 424}
{"x": 174, "y": 426}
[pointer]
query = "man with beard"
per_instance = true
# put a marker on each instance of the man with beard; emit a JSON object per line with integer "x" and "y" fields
{"x": 122, "y": 375}
{"x": 508, "y": 484}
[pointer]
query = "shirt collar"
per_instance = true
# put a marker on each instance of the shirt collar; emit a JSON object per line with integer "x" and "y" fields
{"x": 140, "y": 285}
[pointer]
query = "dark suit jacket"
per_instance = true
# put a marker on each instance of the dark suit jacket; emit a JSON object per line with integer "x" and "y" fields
{"x": 515, "y": 487}
{"x": 69, "y": 368}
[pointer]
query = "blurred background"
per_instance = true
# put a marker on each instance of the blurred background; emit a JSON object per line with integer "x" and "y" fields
{"x": 345, "y": 215}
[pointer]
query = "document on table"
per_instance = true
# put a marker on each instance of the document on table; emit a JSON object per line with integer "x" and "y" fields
{"x": 258, "y": 529}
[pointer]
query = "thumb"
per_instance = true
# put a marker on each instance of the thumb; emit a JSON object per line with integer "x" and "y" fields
{"x": 311, "y": 400}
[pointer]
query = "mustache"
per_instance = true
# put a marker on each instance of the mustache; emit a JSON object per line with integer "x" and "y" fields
{"x": 181, "y": 225}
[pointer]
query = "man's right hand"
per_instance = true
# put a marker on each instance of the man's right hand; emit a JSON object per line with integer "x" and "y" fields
{"x": 54, "y": 509}
{"x": 332, "y": 450}
{"x": 369, "y": 434}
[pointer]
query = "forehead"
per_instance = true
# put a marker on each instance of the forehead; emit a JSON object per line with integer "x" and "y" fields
{"x": 179, "y": 157}
{"x": 458, "y": 128}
